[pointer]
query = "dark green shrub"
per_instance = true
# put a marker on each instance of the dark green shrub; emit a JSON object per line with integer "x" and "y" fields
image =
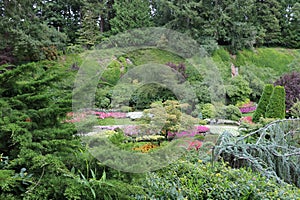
{"x": 276, "y": 106}
{"x": 238, "y": 90}
{"x": 232, "y": 112}
{"x": 263, "y": 103}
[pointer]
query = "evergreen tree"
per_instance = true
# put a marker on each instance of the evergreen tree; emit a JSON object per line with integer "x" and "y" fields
{"x": 24, "y": 37}
{"x": 91, "y": 29}
{"x": 267, "y": 19}
{"x": 289, "y": 22}
{"x": 276, "y": 106}
{"x": 130, "y": 14}
{"x": 65, "y": 16}
{"x": 263, "y": 103}
{"x": 32, "y": 133}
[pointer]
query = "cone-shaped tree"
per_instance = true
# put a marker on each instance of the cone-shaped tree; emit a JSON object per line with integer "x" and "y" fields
{"x": 263, "y": 103}
{"x": 276, "y": 107}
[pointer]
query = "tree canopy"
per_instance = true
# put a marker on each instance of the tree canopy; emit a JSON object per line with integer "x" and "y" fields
{"x": 29, "y": 28}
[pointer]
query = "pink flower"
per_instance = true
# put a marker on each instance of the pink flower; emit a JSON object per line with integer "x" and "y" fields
{"x": 247, "y": 119}
{"x": 202, "y": 129}
{"x": 194, "y": 144}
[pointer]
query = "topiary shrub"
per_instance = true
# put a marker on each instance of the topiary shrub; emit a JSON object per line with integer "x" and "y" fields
{"x": 276, "y": 106}
{"x": 263, "y": 103}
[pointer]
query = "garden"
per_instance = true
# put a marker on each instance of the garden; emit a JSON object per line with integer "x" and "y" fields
{"x": 160, "y": 99}
{"x": 153, "y": 145}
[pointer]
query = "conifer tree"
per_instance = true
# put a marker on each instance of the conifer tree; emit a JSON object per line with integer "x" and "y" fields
{"x": 263, "y": 103}
{"x": 130, "y": 15}
{"x": 276, "y": 106}
{"x": 267, "y": 17}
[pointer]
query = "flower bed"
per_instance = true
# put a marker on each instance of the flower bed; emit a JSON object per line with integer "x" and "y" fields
{"x": 190, "y": 133}
{"x": 247, "y": 107}
{"x": 247, "y": 119}
{"x": 73, "y": 117}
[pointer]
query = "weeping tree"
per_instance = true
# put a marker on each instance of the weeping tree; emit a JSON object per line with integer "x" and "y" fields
{"x": 274, "y": 150}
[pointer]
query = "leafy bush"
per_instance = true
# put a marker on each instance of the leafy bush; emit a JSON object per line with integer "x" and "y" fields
{"x": 190, "y": 180}
{"x": 263, "y": 103}
{"x": 232, "y": 112}
{"x": 208, "y": 111}
{"x": 149, "y": 93}
{"x": 276, "y": 106}
{"x": 112, "y": 73}
{"x": 255, "y": 83}
{"x": 238, "y": 90}
{"x": 167, "y": 117}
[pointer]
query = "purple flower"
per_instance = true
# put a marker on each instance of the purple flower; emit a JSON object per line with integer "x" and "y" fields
{"x": 247, "y": 109}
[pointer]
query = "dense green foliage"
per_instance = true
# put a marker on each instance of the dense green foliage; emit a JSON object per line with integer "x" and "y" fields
{"x": 238, "y": 90}
{"x": 229, "y": 112}
{"x": 130, "y": 14}
{"x": 263, "y": 102}
{"x": 32, "y": 27}
{"x": 276, "y": 107}
{"x": 40, "y": 157}
{"x": 192, "y": 179}
{"x": 44, "y": 43}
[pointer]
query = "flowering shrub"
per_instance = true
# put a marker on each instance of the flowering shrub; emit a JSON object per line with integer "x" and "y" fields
{"x": 131, "y": 130}
{"x": 202, "y": 129}
{"x": 247, "y": 107}
{"x": 247, "y": 119}
{"x": 103, "y": 115}
{"x": 189, "y": 133}
{"x": 196, "y": 144}
{"x": 78, "y": 117}
{"x": 145, "y": 148}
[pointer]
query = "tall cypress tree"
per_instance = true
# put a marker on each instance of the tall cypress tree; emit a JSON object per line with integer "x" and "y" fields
{"x": 263, "y": 103}
{"x": 276, "y": 106}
